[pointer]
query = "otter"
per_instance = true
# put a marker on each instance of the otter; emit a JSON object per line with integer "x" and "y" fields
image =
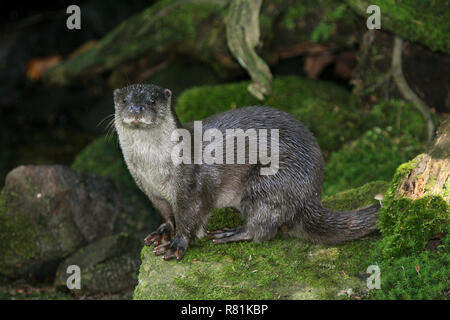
{"x": 185, "y": 193}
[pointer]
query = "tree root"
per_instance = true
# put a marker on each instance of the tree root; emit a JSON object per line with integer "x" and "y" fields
{"x": 405, "y": 90}
{"x": 242, "y": 38}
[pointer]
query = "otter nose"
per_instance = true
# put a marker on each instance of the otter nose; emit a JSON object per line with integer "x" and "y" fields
{"x": 135, "y": 108}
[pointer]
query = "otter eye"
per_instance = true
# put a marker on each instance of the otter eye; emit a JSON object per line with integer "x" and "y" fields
{"x": 124, "y": 100}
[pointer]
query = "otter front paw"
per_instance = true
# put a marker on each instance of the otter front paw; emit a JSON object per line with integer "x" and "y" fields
{"x": 162, "y": 235}
{"x": 175, "y": 249}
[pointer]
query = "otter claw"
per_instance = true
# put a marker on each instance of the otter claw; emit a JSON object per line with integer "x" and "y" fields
{"x": 162, "y": 248}
{"x": 161, "y": 235}
{"x": 171, "y": 254}
{"x": 150, "y": 239}
{"x": 176, "y": 249}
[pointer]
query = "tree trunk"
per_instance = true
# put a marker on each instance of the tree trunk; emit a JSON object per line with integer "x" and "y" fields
{"x": 430, "y": 175}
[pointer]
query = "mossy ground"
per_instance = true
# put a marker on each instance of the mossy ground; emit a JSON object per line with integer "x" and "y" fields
{"x": 282, "y": 268}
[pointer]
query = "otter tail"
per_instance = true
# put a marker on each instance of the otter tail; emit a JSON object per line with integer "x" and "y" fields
{"x": 322, "y": 225}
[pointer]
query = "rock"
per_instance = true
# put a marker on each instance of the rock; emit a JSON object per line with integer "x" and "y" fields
{"x": 108, "y": 265}
{"x": 103, "y": 157}
{"x": 282, "y": 268}
{"x": 47, "y": 212}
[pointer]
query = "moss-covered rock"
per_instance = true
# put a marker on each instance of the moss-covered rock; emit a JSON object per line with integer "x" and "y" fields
{"x": 282, "y": 268}
{"x": 103, "y": 157}
{"x": 420, "y": 21}
{"x": 108, "y": 265}
{"x": 324, "y": 107}
{"x": 46, "y": 213}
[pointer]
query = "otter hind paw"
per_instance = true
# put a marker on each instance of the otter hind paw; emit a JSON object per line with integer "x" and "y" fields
{"x": 228, "y": 235}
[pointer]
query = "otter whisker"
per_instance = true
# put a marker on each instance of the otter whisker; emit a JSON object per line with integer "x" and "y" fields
{"x": 105, "y": 119}
{"x": 111, "y": 129}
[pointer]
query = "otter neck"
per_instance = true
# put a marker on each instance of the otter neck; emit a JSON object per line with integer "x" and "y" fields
{"x": 147, "y": 154}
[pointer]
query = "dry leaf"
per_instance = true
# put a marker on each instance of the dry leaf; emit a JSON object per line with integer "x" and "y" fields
{"x": 37, "y": 67}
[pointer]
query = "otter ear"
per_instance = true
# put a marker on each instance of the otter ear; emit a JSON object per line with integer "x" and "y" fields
{"x": 167, "y": 93}
{"x": 116, "y": 93}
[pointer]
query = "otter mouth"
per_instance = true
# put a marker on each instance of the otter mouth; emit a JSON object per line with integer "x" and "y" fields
{"x": 136, "y": 123}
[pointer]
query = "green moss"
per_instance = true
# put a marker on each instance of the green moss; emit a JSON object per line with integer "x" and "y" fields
{"x": 17, "y": 239}
{"x": 408, "y": 269}
{"x": 408, "y": 225}
{"x": 293, "y": 15}
{"x": 401, "y": 280}
{"x": 282, "y": 268}
{"x": 327, "y": 27}
{"x": 350, "y": 199}
{"x": 420, "y": 275}
{"x": 103, "y": 157}
{"x": 416, "y": 20}
{"x": 163, "y": 25}
{"x": 395, "y": 134}
{"x": 222, "y": 218}
{"x": 402, "y": 117}
{"x": 323, "y": 107}
{"x": 278, "y": 269}
{"x": 375, "y": 155}
{"x": 319, "y": 21}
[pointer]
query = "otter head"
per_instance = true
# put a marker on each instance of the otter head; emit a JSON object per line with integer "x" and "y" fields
{"x": 142, "y": 106}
